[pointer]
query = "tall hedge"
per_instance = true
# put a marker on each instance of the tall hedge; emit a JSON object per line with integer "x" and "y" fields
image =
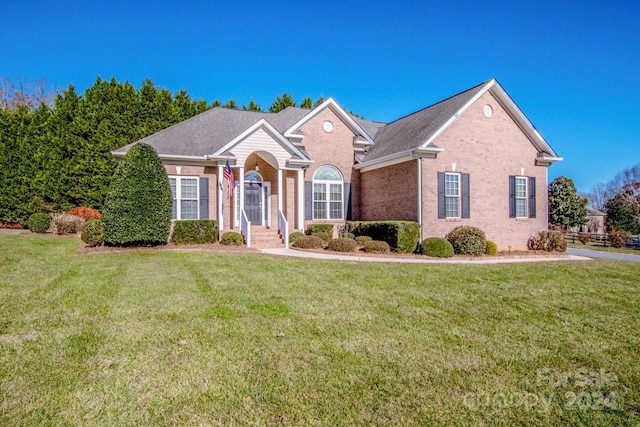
{"x": 402, "y": 236}
{"x": 138, "y": 208}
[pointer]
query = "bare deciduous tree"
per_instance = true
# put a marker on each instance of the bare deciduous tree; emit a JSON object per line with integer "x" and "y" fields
{"x": 27, "y": 93}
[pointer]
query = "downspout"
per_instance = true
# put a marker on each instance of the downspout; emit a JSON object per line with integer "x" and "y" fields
{"x": 419, "y": 183}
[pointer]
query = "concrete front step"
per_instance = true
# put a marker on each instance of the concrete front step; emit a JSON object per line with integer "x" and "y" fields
{"x": 265, "y": 238}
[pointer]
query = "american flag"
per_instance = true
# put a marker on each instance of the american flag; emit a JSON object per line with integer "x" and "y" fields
{"x": 228, "y": 175}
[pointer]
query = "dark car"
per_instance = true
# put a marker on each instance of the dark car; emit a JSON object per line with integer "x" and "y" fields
{"x": 633, "y": 242}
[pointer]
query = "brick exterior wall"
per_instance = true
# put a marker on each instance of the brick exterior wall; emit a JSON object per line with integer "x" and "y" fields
{"x": 390, "y": 193}
{"x": 489, "y": 150}
{"x": 200, "y": 171}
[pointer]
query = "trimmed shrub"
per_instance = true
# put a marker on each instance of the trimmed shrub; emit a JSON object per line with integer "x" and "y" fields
{"x": 584, "y": 238}
{"x": 138, "y": 206}
{"x": 308, "y": 242}
{"x": 320, "y": 228}
{"x": 85, "y": 213}
{"x": 548, "y": 241}
{"x": 492, "y": 248}
{"x": 10, "y": 225}
{"x": 294, "y": 236}
{"x": 361, "y": 240}
{"x": 376, "y": 246}
{"x": 67, "y": 224}
{"x": 467, "y": 240}
{"x": 231, "y": 238}
{"x": 39, "y": 222}
{"x": 342, "y": 244}
{"x": 325, "y": 236}
{"x": 93, "y": 233}
{"x": 437, "y": 247}
{"x": 347, "y": 235}
{"x": 195, "y": 231}
{"x": 618, "y": 238}
{"x": 401, "y": 236}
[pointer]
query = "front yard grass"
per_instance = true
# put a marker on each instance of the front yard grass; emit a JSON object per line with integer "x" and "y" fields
{"x": 175, "y": 338}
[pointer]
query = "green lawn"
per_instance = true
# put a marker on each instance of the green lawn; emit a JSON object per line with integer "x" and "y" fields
{"x": 179, "y": 338}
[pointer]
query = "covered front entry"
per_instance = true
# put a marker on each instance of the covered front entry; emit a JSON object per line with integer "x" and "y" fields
{"x": 257, "y": 202}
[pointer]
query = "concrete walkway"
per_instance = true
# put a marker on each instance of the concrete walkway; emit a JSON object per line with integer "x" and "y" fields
{"x": 602, "y": 254}
{"x": 358, "y": 258}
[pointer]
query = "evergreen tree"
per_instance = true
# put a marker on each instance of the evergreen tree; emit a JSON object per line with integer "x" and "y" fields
{"x": 566, "y": 207}
{"x": 138, "y": 207}
{"x": 252, "y": 106}
{"x": 623, "y": 211}
{"x": 230, "y": 104}
{"x": 306, "y": 103}
{"x": 282, "y": 102}
{"x": 319, "y": 100}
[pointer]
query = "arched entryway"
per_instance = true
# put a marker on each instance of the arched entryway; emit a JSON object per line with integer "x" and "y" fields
{"x": 257, "y": 203}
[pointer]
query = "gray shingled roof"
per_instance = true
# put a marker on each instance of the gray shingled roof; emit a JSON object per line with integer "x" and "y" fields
{"x": 411, "y": 131}
{"x": 209, "y": 131}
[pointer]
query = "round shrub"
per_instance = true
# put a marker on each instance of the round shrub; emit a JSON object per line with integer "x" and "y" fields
{"x": 437, "y": 247}
{"x": 618, "y": 238}
{"x": 360, "y": 240}
{"x": 492, "y": 248}
{"x": 93, "y": 233}
{"x": 308, "y": 242}
{"x": 376, "y": 246}
{"x": 138, "y": 206}
{"x": 347, "y": 235}
{"x": 342, "y": 244}
{"x": 295, "y": 235}
{"x": 584, "y": 238}
{"x": 39, "y": 222}
{"x": 324, "y": 235}
{"x": 66, "y": 223}
{"x": 467, "y": 240}
{"x": 85, "y": 213}
{"x": 231, "y": 238}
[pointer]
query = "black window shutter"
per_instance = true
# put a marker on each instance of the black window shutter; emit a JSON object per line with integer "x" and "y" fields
{"x": 204, "y": 198}
{"x": 442, "y": 213}
{"x": 512, "y": 196}
{"x": 532, "y": 197}
{"x": 308, "y": 200}
{"x": 466, "y": 211}
{"x": 347, "y": 200}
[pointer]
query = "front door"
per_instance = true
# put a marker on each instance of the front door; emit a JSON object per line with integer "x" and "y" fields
{"x": 253, "y": 201}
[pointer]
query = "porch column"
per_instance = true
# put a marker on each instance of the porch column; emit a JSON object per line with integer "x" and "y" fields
{"x": 220, "y": 198}
{"x": 300, "y": 210}
{"x": 241, "y": 192}
{"x": 280, "y": 190}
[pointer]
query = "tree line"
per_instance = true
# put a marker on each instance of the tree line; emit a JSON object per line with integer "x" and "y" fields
{"x": 619, "y": 199}
{"x": 55, "y": 147}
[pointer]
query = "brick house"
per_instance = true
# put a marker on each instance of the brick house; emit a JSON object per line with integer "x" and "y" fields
{"x": 472, "y": 159}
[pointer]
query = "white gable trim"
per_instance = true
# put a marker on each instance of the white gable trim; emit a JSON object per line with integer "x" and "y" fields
{"x": 512, "y": 109}
{"x": 403, "y": 156}
{"x": 338, "y": 110}
{"x": 267, "y": 127}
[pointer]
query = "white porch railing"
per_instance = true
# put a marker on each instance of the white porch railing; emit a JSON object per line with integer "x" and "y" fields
{"x": 283, "y": 228}
{"x": 245, "y": 227}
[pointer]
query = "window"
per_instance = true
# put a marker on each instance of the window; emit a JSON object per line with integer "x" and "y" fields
{"x": 327, "y": 193}
{"x": 521, "y": 197}
{"x": 184, "y": 191}
{"x": 452, "y": 195}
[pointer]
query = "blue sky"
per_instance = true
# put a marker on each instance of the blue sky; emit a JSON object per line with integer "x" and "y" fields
{"x": 572, "y": 66}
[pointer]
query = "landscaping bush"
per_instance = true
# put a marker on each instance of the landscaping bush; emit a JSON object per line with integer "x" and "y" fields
{"x": 66, "y": 224}
{"x": 85, "y": 213}
{"x": 93, "y": 233}
{"x": 231, "y": 238}
{"x": 375, "y": 246}
{"x": 347, "y": 235}
{"x": 401, "y": 236}
{"x": 195, "y": 231}
{"x": 618, "y": 238}
{"x": 467, "y": 240}
{"x": 552, "y": 240}
{"x": 342, "y": 244}
{"x": 294, "y": 236}
{"x": 10, "y": 225}
{"x": 437, "y": 247}
{"x": 361, "y": 240}
{"x": 320, "y": 228}
{"x": 492, "y": 248}
{"x": 584, "y": 238}
{"x": 138, "y": 206}
{"x": 325, "y": 236}
{"x": 308, "y": 242}
{"x": 39, "y": 222}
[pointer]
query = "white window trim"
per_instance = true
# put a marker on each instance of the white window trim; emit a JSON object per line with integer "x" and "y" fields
{"x": 327, "y": 187}
{"x": 525, "y": 197}
{"x": 458, "y": 197}
{"x": 178, "y": 198}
